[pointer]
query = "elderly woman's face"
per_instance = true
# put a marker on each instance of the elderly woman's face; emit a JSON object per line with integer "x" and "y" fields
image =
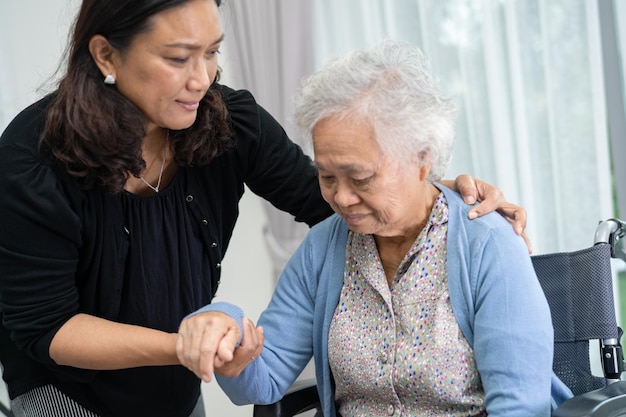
{"x": 371, "y": 192}
{"x": 166, "y": 71}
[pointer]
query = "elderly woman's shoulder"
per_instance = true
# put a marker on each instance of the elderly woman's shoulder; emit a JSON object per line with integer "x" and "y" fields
{"x": 458, "y": 213}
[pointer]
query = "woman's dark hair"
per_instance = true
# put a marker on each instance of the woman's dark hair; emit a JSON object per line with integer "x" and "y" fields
{"x": 94, "y": 131}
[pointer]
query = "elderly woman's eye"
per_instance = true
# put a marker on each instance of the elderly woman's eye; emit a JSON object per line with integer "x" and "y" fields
{"x": 361, "y": 182}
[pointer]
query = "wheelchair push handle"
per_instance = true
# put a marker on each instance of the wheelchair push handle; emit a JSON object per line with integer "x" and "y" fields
{"x": 611, "y": 231}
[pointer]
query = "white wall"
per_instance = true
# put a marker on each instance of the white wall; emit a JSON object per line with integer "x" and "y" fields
{"x": 30, "y": 47}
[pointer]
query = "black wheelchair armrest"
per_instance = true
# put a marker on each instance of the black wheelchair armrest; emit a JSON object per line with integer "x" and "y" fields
{"x": 301, "y": 397}
{"x": 609, "y": 401}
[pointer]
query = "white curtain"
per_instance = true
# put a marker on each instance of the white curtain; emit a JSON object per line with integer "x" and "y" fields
{"x": 527, "y": 80}
{"x": 526, "y": 77}
{"x": 268, "y": 51}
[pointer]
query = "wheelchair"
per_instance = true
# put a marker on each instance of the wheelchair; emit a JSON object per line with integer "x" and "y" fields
{"x": 579, "y": 289}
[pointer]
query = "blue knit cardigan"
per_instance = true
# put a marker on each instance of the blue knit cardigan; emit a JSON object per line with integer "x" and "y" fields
{"x": 496, "y": 298}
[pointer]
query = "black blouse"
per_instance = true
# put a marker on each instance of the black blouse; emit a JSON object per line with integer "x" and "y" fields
{"x": 167, "y": 265}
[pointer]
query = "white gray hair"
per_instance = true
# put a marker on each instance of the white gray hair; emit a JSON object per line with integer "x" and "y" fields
{"x": 389, "y": 86}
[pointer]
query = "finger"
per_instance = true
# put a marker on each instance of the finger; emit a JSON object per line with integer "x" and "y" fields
{"x": 249, "y": 342}
{"x": 527, "y": 241}
{"x": 246, "y": 353}
{"x": 482, "y": 208}
{"x": 515, "y": 215}
{"x": 257, "y": 347}
{"x": 261, "y": 339}
{"x": 255, "y": 341}
{"x": 228, "y": 344}
{"x": 491, "y": 199}
{"x": 218, "y": 343}
{"x": 218, "y": 363}
{"x": 208, "y": 355}
{"x": 519, "y": 223}
{"x": 489, "y": 193}
{"x": 466, "y": 186}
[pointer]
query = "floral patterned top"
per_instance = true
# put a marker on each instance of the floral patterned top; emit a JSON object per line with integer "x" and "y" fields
{"x": 398, "y": 350}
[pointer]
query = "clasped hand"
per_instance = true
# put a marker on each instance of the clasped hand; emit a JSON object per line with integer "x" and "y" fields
{"x": 209, "y": 342}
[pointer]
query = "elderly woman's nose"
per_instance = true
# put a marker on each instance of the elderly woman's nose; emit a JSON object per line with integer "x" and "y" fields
{"x": 345, "y": 196}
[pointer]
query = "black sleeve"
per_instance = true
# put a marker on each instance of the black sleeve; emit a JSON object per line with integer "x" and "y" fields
{"x": 39, "y": 239}
{"x": 277, "y": 169}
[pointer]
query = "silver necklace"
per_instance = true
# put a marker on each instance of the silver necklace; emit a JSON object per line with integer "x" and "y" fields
{"x": 158, "y": 186}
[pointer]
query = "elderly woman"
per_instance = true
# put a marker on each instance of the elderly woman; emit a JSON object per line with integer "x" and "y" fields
{"x": 408, "y": 307}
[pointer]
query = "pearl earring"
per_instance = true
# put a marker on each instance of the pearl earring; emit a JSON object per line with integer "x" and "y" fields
{"x": 109, "y": 79}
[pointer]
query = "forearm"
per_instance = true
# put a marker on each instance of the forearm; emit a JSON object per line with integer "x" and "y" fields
{"x": 90, "y": 342}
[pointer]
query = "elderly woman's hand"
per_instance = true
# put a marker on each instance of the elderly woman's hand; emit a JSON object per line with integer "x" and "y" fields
{"x": 249, "y": 350}
{"x": 491, "y": 199}
{"x": 207, "y": 340}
